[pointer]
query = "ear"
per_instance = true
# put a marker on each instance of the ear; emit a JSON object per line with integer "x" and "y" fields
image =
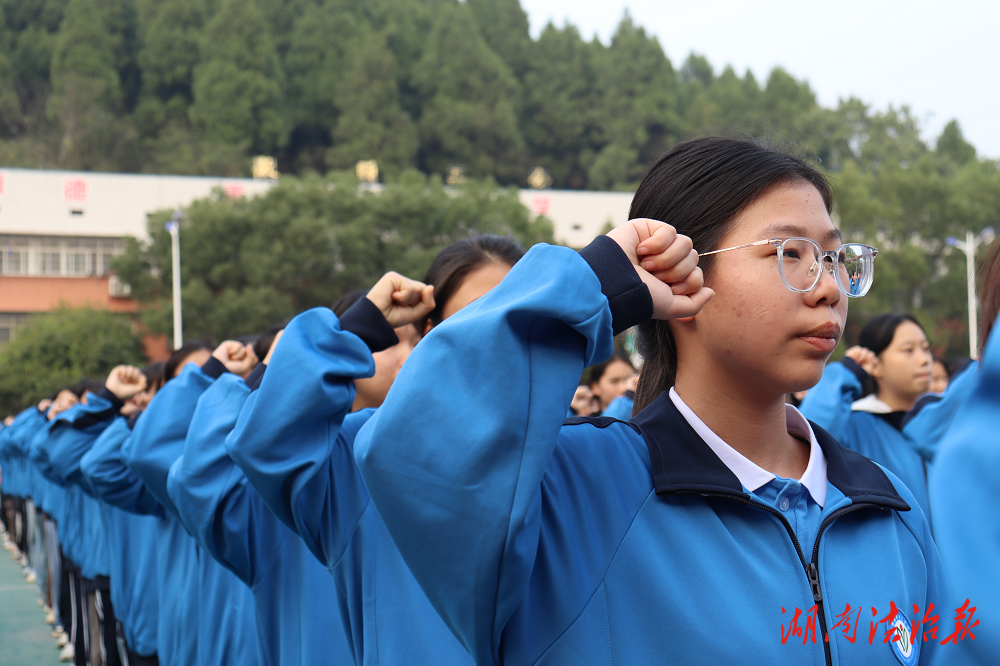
{"x": 685, "y": 319}
{"x": 876, "y": 370}
{"x": 427, "y": 327}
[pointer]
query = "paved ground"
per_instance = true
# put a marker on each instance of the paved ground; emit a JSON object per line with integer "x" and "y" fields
{"x": 25, "y": 639}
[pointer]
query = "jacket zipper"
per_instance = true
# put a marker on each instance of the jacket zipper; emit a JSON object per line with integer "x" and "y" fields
{"x": 811, "y": 568}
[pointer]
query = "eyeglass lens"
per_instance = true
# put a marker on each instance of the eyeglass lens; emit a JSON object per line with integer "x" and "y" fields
{"x": 801, "y": 266}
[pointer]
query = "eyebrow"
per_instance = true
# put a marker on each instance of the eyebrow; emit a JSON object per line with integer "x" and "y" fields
{"x": 794, "y": 230}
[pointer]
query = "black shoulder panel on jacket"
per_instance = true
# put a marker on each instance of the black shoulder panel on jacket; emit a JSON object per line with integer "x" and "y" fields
{"x": 599, "y": 422}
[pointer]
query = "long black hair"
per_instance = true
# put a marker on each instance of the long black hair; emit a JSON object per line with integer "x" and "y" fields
{"x": 698, "y": 187}
{"x": 877, "y": 335}
{"x": 449, "y": 268}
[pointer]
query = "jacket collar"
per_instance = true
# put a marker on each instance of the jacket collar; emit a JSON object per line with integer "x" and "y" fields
{"x": 683, "y": 463}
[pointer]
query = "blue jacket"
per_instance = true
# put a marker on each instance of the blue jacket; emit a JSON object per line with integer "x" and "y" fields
{"x": 68, "y": 438}
{"x": 906, "y": 448}
{"x": 132, "y": 548}
{"x": 873, "y": 436}
{"x": 964, "y": 492}
{"x": 621, "y": 407}
{"x": 926, "y": 424}
{"x": 602, "y": 541}
{"x": 171, "y": 562}
{"x": 298, "y": 618}
{"x": 15, "y": 442}
{"x": 294, "y": 441}
{"x": 207, "y": 602}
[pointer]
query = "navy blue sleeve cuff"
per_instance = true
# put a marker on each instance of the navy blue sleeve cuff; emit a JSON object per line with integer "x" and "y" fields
{"x": 116, "y": 402}
{"x": 855, "y": 369}
{"x": 256, "y": 376}
{"x": 366, "y": 321}
{"x": 214, "y": 368}
{"x": 627, "y": 295}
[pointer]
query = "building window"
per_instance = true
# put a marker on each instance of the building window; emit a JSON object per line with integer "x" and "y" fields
{"x": 77, "y": 256}
{"x": 79, "y": 263}
{"x": 48, "y": 263}
{"x": 13, "y": 262}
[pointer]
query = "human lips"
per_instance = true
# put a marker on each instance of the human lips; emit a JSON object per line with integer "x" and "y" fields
{"x": 822, "y": 338}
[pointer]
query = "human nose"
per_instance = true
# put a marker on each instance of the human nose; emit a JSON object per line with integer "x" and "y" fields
{"x": 826, "y": 291}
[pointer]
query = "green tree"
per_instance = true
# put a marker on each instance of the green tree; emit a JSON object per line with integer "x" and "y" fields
{"x": 952, "y": 146}
{"x": 325, "y": 40}
{"x": 249, "y": 262}
{"x": 238, "y": 82}
{"x": 469, "y": 116}
{"x": 560, "y": 123}
{"x": 504, "y": 26}
{"x": 638, "y": 86}
{"x": 62, "y": 347}
{"x": 372, "y": 125}
{"x": 785, "y": 99}
{"x": 86, "y": 87}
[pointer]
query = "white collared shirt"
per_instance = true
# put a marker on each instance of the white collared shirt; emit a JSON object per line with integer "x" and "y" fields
{"x": 751, "y": 475}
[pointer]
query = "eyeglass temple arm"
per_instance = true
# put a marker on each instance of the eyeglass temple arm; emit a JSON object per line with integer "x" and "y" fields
{"x": 766, "y": 241}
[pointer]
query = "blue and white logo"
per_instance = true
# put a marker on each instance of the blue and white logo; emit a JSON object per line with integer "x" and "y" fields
{"x": 904, "y": 644}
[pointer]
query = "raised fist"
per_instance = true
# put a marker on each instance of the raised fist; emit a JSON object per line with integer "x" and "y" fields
{"x": 401, "y": 300}
{"x": 125, "y": 381}
{"x": 668, "y": 265}
{"x": 238, "y": 358}
{"x": 863, "y": 357}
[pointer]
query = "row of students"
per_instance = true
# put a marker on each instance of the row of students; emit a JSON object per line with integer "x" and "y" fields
{"x": 459, "y": 518}
{"x": 197, "y": 526}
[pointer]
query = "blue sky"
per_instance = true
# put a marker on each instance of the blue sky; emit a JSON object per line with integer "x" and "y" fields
{"x": 941, "y": 59}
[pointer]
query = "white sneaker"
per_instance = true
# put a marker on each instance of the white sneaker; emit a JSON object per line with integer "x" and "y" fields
{"x": 68, "y": 653}
{"x": 30, "y": 577}
{"x": 63, "y": 641}
{"x": 57, "y": 632}
{"x": 50, "y": 618}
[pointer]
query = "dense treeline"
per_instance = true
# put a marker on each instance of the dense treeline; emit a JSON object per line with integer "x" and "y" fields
{"x": 200, "y": 86}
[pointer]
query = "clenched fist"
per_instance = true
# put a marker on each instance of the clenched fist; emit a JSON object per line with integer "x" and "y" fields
{"x": 667, "y": 263}
{"x": 238, "y": 358}
{"x": 401, "y": 300}
{"x": 863, "y": 357}
{"x": 125, "y": 381}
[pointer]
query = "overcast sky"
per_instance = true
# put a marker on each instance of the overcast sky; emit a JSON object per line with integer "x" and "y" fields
{"x": 942, "y": 59}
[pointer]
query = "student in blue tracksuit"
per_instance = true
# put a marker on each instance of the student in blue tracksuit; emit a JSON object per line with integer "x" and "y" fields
{"x": 295, "y": 598}
{"x": 295, "y": 435}
{"x": 892, "y": 365}
{"x": 131, "y": 537}
{"x": 171, "y": 555}
{"x": 608, "y": 382}
{"x": 206, "y": 603}
{"x": 57, "y": 454}
{"x": 716, "y": 526}
{"x": 964, "y": 489}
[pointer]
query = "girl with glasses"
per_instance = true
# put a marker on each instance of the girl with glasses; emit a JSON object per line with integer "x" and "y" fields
{"x": 715, "y": 526}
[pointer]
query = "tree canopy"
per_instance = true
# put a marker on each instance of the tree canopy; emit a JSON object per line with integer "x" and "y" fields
{"x": 61, "y": 348}
{"x": 248, "y": 263}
